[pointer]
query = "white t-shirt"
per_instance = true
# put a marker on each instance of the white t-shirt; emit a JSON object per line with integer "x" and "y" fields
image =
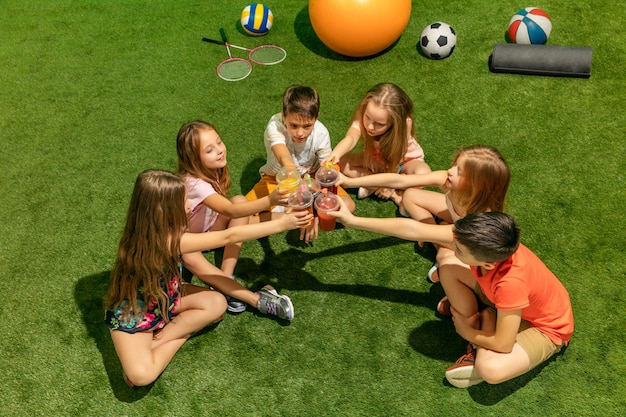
{"x": 201, "y": 218}
{"x": 308, "y": 154}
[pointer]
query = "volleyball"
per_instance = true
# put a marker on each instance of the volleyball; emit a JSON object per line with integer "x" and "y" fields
{"x": 256, "y": 19}
{"x": 530, "y": 26}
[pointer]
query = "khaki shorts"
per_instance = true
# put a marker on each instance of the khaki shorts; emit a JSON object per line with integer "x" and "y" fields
{"x": 537, "y": 345}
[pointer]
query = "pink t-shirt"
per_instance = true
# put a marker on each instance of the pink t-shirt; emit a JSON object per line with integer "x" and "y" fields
{"x": 201, "y": 218}
{"x": 524, "y": 282}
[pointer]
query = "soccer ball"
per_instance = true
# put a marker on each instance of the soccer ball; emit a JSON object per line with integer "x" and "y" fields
{"x": 530, "y": 26}
{"x": 256, "y": 19}
{"x": 438, "y": 40}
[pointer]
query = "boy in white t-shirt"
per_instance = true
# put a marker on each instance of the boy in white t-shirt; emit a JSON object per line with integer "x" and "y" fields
{"x": 295, "y": 137}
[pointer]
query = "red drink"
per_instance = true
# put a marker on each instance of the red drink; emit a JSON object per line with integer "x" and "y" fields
{"x": 324, "y": 203}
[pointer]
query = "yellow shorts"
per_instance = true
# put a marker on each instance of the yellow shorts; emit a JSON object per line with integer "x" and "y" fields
{"x": 268, "y": 183}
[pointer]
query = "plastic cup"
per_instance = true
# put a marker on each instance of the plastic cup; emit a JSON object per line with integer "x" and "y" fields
{"x": 302, "y": 199}
{"x": 327, "y": 177}
{"x": 288, "y": 178}
{"x": 324, "y": 203}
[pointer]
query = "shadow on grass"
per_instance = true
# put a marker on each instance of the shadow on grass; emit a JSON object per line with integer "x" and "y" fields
{"x": 88, "y": 294}
{"x": 289, "y": 266}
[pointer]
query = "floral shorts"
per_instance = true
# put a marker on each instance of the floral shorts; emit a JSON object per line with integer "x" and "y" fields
{"x": 150, "y": 317}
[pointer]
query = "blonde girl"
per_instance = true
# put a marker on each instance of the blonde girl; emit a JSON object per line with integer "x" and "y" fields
{"x": 150, "y": 312}
{"x": 202, "y": 162}
{"x": 384, "y": 120}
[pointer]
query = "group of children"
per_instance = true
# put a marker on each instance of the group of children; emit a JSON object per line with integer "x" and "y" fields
{"x": 504, "y": 301}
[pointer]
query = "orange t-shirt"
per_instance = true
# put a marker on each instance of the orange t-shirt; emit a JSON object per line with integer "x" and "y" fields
{"x": 524, "y": 282}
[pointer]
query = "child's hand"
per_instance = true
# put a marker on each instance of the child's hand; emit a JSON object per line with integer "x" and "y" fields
{"x": 344, "y": 181}
{"x": 279, "y": 197}
{"x": 343, "y": 214}
{"x": 330, "y": 160}
{"x": 309, "y": 233}
{"x": 301, "y": 169}
{"x": 296, "y": 219}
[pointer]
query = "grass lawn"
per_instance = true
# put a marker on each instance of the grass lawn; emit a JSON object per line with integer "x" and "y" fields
{"x": 94, "y": 92}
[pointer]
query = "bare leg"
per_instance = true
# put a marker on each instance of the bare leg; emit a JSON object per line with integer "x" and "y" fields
{"x": 351, "y": 165}
{"x": 216, "y": 278}
{"x": 231, "y": 252}
{"x": 496, "y": 367}
{"x": 458, "y": 283}
{"x": 422, "y": 204}
{"x": 144, "y": 356}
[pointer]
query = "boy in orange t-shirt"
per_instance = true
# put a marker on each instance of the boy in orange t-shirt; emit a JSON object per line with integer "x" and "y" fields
{"x": 529, "y": 318}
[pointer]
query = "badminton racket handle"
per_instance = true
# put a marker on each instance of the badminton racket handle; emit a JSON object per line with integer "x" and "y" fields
{"x": 213, "y": 41}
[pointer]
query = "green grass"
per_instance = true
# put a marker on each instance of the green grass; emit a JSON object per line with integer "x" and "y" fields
{"x": 93, "y": 92}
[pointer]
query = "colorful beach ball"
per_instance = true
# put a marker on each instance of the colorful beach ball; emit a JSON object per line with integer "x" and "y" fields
{"x": 530, "y": 26}
{"x": 256, "y": 19}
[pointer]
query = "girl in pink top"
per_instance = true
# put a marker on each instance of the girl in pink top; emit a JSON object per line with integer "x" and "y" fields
{"x": 202, "y": 163}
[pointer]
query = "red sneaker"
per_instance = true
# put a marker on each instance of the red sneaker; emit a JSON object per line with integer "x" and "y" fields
{"x": 463, "y": 373}
{"x": 443, "y": 307}
{"x": 433, "y": 274}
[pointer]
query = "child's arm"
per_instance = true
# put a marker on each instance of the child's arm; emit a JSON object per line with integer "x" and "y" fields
{"x": 396, "y": 181}
{"x": 501, "y": 339}
{"x": 282, "y": 154}
{"x": 195, "y": 242}
{"x": 345, "y": 145}
{"x": 402, "y": 228}
{"x": 235, "y": 210}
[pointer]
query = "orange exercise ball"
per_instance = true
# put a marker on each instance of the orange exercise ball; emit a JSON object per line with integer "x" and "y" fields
{"x": 359, "y": 28}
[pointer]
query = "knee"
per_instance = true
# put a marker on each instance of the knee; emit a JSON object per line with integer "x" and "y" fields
{"x": 140, "y": 375}
{"x": 446, "y": 256}
{"x": 238, "y": 199}
{"x": 491, "y": 370}
{"x": 216, "y": 305}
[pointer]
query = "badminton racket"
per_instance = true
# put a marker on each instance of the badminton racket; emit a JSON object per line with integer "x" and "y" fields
{"x": 232, "y": 69}
{"x": 261, "y": 55}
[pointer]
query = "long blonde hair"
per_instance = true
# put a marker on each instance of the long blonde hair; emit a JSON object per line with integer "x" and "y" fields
{"x": 484, "y": 180}
{"x": 149, "y": 249}
{"x": 189, "y": 162}
{"x": 394, "y": 142}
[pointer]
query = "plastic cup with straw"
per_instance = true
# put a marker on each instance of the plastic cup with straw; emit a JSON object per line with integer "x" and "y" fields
{"x": 328, "y": 176}
{"x": 324, "y": 203}
{"x": 302, "y": 199}
{"x": 288, "y": 178}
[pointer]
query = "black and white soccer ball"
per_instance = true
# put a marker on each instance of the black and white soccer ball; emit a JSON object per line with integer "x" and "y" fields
{"x": 438, "y": 40}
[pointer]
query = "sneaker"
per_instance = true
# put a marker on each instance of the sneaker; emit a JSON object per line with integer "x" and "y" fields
{"x": 270, "y": 302}
{"x": 463, "y": 373}
{"x": 443, "y": 307}
{"x": 433, "y": 274}
{"x": 234, "y": 305}
{"x": 362, "y": 193}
